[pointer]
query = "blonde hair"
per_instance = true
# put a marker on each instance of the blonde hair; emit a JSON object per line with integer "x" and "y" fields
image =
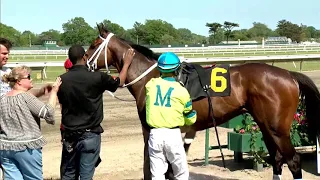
{"x": 15, "y": 75}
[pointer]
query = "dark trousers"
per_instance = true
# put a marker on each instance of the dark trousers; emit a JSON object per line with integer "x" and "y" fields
{"x": 80, "y": 157}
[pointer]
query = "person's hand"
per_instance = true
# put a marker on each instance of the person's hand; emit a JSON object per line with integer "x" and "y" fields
{"x": 56, "y": 85}
{"x": 45, "y": 89}
{"x": 128, "y": 57}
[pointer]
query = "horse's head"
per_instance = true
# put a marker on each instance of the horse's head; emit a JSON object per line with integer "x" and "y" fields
{"x": 105, "y": 50}
{"x": 108, "y": 50}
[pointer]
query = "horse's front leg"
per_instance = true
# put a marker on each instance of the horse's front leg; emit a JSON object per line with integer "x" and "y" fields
{"x": 146, "y": 160}
{"x": 188, "y": 139}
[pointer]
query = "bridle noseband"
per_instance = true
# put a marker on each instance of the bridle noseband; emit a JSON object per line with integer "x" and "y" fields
{"x": 96, "y": 54}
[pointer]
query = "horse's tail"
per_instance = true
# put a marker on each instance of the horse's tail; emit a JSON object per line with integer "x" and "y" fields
{"x": 310, "y": 92}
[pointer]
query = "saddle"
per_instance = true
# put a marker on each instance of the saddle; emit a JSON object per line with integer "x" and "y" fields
{"x": 199, "y": 81}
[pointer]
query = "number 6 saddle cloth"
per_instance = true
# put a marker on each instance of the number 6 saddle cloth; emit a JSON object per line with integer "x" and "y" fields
{"x": 195, "y": 78}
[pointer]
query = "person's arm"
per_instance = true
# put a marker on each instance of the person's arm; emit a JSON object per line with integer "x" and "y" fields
{"x": 42, "y": 110}
{"x": 190, "y": 115}
{"x": 128, "y": 57}
{"x": 53, "y": 95}
{"x": 42, "y": 91}
{"x": 39, "y": 108}
{"x": 111, "y": 84}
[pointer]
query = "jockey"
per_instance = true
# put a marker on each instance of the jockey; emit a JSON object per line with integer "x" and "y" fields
{"x": 168, "y": 106}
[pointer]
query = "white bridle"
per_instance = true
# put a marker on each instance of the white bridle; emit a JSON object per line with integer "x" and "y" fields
{"x": 97, "y": 53}
{"x": 102, "y": 46}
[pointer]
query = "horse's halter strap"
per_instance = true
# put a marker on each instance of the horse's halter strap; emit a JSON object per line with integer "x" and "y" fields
{"x": 97, "y": 53}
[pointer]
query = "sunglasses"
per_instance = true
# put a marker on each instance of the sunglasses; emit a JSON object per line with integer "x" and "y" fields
{"x": 27, "y": 77}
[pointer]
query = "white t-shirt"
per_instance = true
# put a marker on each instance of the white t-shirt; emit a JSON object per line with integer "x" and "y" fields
{"x": 4, "y": 87}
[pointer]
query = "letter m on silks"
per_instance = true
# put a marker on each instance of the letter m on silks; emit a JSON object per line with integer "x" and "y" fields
{"x": 165, "y": 98}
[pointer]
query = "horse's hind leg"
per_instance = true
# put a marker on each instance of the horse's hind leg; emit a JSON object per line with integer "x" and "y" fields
{"x": 290, "y": 155}
{"x": 285, "y": 151}
{"x": 276, "y": 159}
{"x": 275, "y": 125}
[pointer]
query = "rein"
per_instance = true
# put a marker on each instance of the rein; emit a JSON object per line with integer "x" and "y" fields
{"x": 97, "y": 53}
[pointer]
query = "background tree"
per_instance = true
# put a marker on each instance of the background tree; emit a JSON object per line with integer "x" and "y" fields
{"x": 228, "y": 27}
{"x": 27, "y": 38}
{"x": 10, "y": 33}
{"x": 213, "y": 30}
{"x": 156, "y": 29}
{"x": 114, "y": 28}
{"x": 259, "y": 31}
{"x": 185, "y": 36}
{"x": 159, "y": 32}
{"x": 51, "y": 34}
{"x": 240, "y": 34}
{"x": 78, "y": 31}
{"x": 290, "y": 30}
{"x": 139, "y": 33}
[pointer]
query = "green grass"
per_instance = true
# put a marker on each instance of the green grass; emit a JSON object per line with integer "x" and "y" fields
{"x": 52, "y": 74}
{"x": 38, "y": 58}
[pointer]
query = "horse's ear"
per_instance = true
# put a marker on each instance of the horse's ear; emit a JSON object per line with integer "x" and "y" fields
{"x": 102, "y": 26}
{"x": 99, "y": 28}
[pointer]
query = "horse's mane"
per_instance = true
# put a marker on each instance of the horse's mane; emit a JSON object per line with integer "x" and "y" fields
{"x": 143, "y": 50}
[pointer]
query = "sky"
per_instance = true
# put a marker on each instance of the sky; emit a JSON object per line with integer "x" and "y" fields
{"x": 42, "y": 15}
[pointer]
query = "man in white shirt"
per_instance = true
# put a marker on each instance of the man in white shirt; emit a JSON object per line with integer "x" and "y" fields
{"x": 5, "y": 46}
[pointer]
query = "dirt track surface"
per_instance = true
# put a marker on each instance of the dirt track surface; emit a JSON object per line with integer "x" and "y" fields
{"x": 122, "y": 148}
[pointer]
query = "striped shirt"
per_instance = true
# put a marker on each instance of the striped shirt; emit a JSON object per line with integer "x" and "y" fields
{"x": 20, "y": 121}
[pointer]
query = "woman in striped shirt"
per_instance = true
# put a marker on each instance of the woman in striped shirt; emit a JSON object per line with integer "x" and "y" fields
{"x": 21, "y": 141}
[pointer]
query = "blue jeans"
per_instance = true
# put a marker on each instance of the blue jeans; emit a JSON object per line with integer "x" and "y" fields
{"x": 82, "y": 157}
{"x": 24, "y": 165}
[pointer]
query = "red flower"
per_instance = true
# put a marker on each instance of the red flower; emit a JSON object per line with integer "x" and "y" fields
{"x": 241, "y": 131}
{"x": 254, "y": 128}
{"x": 297, "y": 117}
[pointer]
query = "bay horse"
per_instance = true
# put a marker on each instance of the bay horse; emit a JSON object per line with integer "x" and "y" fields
{"x": 270, "y": 94}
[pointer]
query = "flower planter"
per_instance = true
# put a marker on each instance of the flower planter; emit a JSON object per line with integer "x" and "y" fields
{"x": 241, "y": 142}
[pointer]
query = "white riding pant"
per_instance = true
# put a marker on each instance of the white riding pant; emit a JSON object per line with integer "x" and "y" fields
{"x": 166, "y": 145}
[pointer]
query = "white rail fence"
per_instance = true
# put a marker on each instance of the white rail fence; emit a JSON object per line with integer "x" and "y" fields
{"x": 189, "y": 54}
{"x": 314, "y": 47}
